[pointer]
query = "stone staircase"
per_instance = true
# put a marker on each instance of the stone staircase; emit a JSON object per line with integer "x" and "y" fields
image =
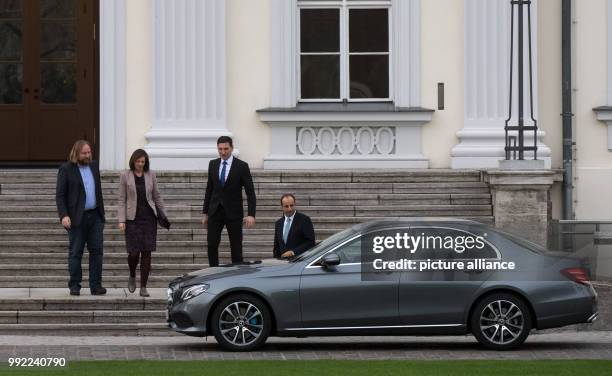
{"x": 33, "y": 246}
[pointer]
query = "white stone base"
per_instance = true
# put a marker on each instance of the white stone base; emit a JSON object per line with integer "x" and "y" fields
{"x": 183, "y": 149}
{"x": 486, "y": 162}
{"x": 484, "y": 148}
{"x": 514, "y": 164}
{"x": 337, "y": 162}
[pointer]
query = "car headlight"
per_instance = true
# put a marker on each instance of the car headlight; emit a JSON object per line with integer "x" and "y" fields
{"x": 192, "y": 291}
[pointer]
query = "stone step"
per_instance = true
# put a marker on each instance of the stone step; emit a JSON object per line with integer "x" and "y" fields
{"x": 25, "y": 223}
{"x": 299, "y": 189}
{"x": 58, "y": 299}
{"x": 336, "y": 199}
{"x": 113, "y": 234}
{"x": 115, "y": 329}
{"x": 27, "y": 271}
{"x": 268, "y": 211}
{"x": 187, "y": 258}
{"x": 120, "y": 257}
{"x": 156, "y": 280}
{"x": 113, "y": 246}
{"x": 81, "y": 317}
{"x": 50, "y": 176}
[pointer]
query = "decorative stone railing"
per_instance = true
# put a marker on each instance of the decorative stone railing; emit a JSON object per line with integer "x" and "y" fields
{"x": 307, "y": 139}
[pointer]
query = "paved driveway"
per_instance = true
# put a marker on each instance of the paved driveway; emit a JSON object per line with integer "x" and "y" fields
{"x": 564, "y": 345}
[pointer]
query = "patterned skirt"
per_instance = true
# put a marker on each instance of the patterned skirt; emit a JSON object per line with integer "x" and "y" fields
{"x": 141, "y": 233}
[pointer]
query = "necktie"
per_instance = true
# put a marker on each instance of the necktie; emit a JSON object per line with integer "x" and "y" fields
{"x": 286, "y": 229}
{"x": 222, "y": 177}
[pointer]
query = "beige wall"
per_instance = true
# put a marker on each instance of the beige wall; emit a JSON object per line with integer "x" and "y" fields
{"x": 442, "y": 61}
{"x": 138, "y": 74}
{"x": 549, "y": 77}
{"x": 593, "y": 159}
{"x": 549, "y": 90}
{"x": 248, "y": 80}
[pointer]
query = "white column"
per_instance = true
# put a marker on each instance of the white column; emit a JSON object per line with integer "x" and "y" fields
{"x": 407, "y": 50}
{"x": 112, "y": 84}
{"x": 487, "y": 74}
{"x": 189, "y": 82}
{"x": 284, "y": 53}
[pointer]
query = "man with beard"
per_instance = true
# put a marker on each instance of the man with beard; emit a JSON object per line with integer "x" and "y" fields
{"x": 80, "y": 207}
{"x": 293, "y": 232}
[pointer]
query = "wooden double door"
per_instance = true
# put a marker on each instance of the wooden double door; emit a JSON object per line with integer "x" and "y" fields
{"x": 48, "y": 78}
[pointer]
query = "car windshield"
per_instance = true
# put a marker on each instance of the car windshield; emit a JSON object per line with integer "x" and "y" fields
{"x": 324, "y": 244}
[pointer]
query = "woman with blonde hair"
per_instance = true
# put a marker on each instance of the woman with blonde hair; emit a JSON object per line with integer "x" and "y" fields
{"x": 140, "y": 208}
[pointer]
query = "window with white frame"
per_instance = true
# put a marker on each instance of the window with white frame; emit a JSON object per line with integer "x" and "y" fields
{"x": 344, "y": 50}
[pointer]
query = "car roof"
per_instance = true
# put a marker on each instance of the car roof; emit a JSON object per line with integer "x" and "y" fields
{"x": 412, "y": 221}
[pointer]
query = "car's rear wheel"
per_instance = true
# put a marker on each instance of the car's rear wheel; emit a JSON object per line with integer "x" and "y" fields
{"x": 501, "y": 321}
{"x": 241, "y": 322}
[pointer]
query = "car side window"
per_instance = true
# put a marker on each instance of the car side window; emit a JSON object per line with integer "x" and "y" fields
{"x": 350, "y": 252}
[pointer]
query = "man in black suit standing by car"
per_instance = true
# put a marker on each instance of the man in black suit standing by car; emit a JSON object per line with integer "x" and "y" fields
{"x": 227, "y": 175}
{"x": 80, "y": 206}
{"x": 293, "y": 232}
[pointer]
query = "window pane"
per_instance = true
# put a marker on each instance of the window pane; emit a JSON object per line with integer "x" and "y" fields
{"x": 11, "y": 76}
{"x": 10, "y": 40}
{"x": 320, "y": 76}
{"x": 350, "y": 253}
{"x": 369, "y": 76}
{"x": 320, "y": 30}
{"x": 10, "y": 8}
{"x": 368, "y": 30}
{"x": 57, "y": 8}
{"x": 58, "y": 40}
{"x": 58, "y": 82}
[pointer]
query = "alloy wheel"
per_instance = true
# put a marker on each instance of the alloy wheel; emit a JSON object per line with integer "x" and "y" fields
{"x": 241, "y": 323}
{"x": 502, "y": 322}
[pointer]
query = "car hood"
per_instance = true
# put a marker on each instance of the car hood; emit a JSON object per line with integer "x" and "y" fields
{"x": 231, "y": 270}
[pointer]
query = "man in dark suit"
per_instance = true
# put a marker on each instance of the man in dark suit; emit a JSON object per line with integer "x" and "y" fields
{"x": 293, "y": 232}
{"x": 227, "y": 175}
{"x": 80, "y": 206}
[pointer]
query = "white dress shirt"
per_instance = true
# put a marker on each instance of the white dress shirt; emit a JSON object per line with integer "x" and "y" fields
{"x": 290, "y": 223}
{"x": 227, "y": 168}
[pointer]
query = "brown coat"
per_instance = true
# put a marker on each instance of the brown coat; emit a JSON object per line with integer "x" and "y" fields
{"x": 126, "y": 205}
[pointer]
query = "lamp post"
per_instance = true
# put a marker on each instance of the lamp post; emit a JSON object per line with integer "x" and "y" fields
{"x": 516, "y": 143}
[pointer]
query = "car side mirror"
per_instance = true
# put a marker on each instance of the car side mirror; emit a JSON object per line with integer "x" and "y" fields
{"x": 330, "y": 259}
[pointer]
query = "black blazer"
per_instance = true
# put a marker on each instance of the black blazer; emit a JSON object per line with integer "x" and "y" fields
{"x": 70, "y": 192}
{"x": 301, "y": 235}
{"x": 230, "y": 195}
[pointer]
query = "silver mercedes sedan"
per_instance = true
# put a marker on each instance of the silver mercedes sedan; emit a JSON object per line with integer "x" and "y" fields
{"x": 405, "y": 276}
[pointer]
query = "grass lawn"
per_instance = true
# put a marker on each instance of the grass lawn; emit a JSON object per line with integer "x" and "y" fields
{"x": 325, "y": 367}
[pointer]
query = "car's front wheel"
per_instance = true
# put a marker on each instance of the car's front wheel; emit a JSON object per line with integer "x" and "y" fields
{"x": 241, "y": 322}
{"x": 501, "y": 321}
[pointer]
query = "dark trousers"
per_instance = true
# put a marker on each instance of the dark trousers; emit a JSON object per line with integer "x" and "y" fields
{"x": 234, "y": 230}
{"x": 90, "y": 232}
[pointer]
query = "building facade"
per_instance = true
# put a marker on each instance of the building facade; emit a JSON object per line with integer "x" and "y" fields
{"x": 301, "y": 84}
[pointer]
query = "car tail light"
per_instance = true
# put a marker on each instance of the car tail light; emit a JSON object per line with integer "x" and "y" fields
{"x": 577, "y": 275}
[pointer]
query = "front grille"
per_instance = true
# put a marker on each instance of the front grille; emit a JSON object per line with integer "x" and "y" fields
{"x": 176, "y": 297}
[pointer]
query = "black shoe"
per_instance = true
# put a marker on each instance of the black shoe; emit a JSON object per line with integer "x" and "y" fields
{"x": 76, "y": 292}
{"x": 98, "y": 290}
